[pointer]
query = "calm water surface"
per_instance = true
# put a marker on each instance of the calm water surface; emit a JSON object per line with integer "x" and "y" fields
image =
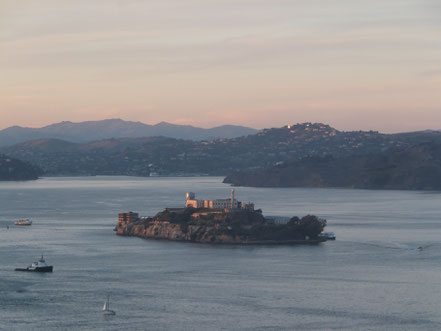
{"x": 372, "y": 277}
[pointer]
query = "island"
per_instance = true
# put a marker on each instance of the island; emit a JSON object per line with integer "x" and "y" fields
{"x": 221, "y": 221}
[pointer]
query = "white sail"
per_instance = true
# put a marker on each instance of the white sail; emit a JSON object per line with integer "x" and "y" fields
{"x": 106, "y": 308}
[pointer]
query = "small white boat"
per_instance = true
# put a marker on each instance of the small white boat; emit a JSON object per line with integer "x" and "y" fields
{"x": 24, "y": 222}
{"x": 106, "y": 308}
{"x": 327, "y": 235}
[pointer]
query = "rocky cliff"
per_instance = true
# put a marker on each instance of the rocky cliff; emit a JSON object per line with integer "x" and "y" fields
{"x": 165, "y": 230}
{"x": 240, "y": 227}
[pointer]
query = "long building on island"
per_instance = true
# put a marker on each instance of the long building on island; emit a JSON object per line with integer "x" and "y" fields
{"x": 217, "y": 206}
{"x": 229, "y": 204}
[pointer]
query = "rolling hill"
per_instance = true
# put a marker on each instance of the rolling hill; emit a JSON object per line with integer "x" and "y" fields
{"x": 168, "y": 156}
{"x": 116, "y": 128}
{"x": 13, "y": 169}
{"x": 414, "y": 168}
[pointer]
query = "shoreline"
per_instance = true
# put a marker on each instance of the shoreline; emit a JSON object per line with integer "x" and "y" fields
{"x": 242, "y": 243}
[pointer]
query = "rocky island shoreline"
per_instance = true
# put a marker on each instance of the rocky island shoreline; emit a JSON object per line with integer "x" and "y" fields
{"x": 237, "y": 225}
{"x": 207, "y": 226}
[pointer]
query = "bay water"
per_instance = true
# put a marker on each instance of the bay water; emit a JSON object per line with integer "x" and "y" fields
{"x": 382, "y": 273}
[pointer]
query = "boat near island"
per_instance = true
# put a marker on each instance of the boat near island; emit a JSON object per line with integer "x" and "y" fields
{"x": 39, "y": 266}
{"x": 23, "y": 222}
{"x": 106, "y": 307}
{"x": 327, "y": 235}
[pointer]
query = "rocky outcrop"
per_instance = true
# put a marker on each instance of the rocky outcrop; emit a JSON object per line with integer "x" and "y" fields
{"x": 244, "y": 227}
{"x": 165, "y": 230}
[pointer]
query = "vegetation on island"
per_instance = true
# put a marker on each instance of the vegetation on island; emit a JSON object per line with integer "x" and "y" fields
{"x": 13, "y": 169}
{"x": 218, "y": 226}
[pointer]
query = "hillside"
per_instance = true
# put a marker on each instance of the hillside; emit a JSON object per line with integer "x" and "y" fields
{"x": 13, "y": 169}
{"x": 168, "y": 156}
{"x": 116, "y": 128}
{"x": 415, "y": 168}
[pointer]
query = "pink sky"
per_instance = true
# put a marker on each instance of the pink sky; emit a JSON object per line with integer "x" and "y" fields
{"x": 350, "y": 63}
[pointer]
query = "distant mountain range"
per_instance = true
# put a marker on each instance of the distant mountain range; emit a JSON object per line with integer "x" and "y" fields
{"x": 116, "y": 128}
{"x": 150, "y": 156}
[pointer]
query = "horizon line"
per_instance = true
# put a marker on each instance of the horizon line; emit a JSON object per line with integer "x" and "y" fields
{"x": 205, "y": 127}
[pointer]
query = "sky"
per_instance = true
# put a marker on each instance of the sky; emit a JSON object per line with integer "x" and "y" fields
{"x": 353, "y": 64}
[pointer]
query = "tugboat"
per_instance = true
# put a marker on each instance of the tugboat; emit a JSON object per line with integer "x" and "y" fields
{"x": 39, "y": 266}
{"x": 106, "y": 308}
{"x": 25, "y": 222}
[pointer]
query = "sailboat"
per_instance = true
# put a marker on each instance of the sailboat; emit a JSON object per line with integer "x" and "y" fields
{"x": 106, "y": 309}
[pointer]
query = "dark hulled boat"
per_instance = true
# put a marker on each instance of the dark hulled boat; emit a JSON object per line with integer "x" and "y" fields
{"x": 39, "y": 266}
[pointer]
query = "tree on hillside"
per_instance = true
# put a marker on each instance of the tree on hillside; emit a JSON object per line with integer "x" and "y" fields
{"x": 309, "y": 225}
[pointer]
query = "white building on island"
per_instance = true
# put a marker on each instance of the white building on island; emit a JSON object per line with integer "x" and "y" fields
{"x": 230, "y": 203}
